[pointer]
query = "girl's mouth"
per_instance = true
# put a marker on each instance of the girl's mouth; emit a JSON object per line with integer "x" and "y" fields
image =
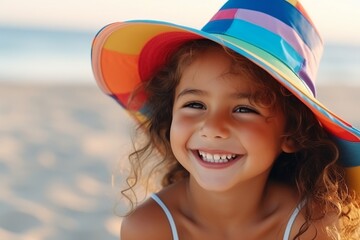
{"x": 217, "y": 157}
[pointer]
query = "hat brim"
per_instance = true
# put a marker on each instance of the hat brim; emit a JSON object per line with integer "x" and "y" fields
{"x": 118, "y": 48}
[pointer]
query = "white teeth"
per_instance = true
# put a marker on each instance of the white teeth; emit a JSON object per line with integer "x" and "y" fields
{"x": 216, "y": 158}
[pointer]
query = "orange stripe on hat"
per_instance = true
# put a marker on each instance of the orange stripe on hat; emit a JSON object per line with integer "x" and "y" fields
{"x": 115, "y": 67}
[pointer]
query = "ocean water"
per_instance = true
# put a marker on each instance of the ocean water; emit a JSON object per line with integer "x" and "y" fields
{"x": 340, "y": 65}
{"x": 45, "y": 56}
{"x": 54, "y": 56}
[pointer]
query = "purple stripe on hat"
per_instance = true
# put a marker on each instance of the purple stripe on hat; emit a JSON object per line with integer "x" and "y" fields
{"x": 276, "y": 26}
{"x": 308, "y": 70}
{"x": 260, "y": 37}
{"x": 285, "y": 12}
{"x": 304, "y": 75}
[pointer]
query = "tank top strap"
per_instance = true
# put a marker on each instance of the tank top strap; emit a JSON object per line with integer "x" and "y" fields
{"x": 292, "y": 220}
{"x": 168, "y": 215}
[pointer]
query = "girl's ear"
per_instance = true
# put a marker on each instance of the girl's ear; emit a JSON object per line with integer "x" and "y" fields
{"x": 289, "y": 145}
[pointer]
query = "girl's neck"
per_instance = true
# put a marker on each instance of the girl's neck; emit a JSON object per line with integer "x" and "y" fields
{"x": 246, "y": 203}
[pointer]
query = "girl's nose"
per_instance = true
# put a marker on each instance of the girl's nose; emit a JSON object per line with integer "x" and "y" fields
{"x": 215, "y": 126}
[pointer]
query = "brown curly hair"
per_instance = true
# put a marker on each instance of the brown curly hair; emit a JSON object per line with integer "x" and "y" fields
{"x": 313, "y": 169}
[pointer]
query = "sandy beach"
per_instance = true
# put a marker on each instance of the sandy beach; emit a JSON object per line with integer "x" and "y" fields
{"x": 58, "y": 149}
{"x": 59, "y": 146}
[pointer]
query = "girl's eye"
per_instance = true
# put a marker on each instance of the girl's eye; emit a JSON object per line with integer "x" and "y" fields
{"x": 195, "y": 105}
{"x": 242, "y": 109}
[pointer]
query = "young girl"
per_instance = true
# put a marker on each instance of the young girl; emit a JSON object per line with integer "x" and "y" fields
{"x": 246, "y": 150}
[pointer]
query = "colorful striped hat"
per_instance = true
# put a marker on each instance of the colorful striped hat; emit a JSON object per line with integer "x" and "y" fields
{"x": 278, "y": 36}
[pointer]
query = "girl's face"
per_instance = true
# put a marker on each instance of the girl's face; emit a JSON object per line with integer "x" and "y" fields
{"x": 217, "y": 134}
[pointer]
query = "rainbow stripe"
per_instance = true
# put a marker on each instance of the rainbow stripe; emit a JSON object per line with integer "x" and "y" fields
{"x": 282, "y": 31}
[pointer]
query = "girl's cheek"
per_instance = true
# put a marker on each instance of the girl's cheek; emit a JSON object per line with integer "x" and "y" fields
{"x": 182, "y": 124}
{"x": 179, "y": 122}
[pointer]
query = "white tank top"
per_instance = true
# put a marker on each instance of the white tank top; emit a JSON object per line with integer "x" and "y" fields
{"x": 176, "y": 236}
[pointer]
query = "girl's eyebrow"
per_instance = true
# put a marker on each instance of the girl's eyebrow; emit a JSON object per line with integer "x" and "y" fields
{"x": 241, "y": 95}
{"x": 198, "y": 92}
{"x": 191, "y": 91}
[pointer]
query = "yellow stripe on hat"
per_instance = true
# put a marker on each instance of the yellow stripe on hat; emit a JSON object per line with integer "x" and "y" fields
{"x": 134, "y": 36}
{"x": 293, "y": 2}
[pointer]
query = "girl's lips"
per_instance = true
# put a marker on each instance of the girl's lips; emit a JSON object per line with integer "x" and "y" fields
{"x": 216, "y": 160}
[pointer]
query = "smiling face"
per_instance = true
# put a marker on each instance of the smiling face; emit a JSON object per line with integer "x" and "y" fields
{"x": 218, "y": 134}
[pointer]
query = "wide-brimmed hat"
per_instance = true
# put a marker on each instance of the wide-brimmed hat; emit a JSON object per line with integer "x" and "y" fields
{"x": 276, "y": 35}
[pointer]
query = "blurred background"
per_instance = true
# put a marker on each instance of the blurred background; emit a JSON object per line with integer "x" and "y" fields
{"x": 61, "y": 139}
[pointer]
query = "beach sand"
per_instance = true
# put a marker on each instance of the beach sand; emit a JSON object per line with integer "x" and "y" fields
{"x": 59, "y": 146}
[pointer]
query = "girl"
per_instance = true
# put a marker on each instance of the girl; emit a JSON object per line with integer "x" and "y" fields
{"x": 246, "y": 150}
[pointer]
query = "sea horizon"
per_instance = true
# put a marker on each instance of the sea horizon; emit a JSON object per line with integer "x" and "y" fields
{"x": 63, "y": 56}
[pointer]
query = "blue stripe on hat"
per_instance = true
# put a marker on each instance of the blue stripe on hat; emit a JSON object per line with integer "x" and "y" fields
{"x": 286, "y": 13}
{"x": 349, "y": 152}
{"x": 259, "y": 37}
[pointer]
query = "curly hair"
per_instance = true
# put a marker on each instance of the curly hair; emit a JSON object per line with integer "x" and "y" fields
{"x": 313, "y": 169}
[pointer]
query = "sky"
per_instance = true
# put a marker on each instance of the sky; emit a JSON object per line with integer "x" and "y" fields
{"x": 338, "y": 21}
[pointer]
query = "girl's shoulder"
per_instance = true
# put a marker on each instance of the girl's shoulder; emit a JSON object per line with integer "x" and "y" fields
{"x": 322, "y": 229}
{"x": 317, "y": 228}
{"x": 145, "y": 222}
{"x": 148, "y": 221}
